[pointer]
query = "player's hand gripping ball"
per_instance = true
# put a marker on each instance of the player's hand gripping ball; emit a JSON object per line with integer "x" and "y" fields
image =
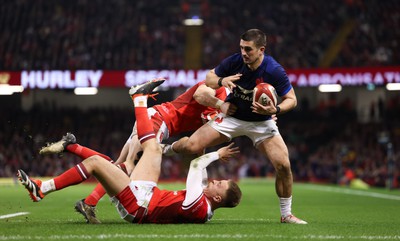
{"x": 264, "y": 93}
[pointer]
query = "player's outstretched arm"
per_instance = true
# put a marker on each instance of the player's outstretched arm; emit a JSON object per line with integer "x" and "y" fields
{"x": 194, "y": 181}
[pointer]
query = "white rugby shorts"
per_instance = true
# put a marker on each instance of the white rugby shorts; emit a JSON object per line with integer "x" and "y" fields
{"x": 257, "y": 131}
{"x": 142, "y": 192}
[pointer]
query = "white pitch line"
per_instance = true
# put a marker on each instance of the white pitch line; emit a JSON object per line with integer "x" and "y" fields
{"x": 197, "y": 236}
{"x": 354, "y": 192}
{"x": 11, "y": 215}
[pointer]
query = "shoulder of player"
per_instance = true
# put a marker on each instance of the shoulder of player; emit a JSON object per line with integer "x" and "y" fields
{"x": 271, "y": 65}
{"x": 230, "y": 65}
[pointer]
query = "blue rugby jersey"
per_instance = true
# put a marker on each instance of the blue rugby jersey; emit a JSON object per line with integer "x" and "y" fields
{"x": 270, "y": 71}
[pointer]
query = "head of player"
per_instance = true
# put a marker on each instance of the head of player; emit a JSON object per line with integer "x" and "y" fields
{"x": 223, "y": 193}
{"x": 252, "y": 46}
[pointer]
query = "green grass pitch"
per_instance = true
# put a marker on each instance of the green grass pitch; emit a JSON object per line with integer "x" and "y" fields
{"x": 333, "y": 213}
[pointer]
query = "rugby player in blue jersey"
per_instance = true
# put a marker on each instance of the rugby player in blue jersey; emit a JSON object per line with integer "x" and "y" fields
{"x": 241, "y": 72}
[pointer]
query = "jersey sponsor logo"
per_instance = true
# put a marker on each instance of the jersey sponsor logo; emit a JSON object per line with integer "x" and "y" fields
{"x": 243, "y": 93}
{"x": 243, "y": 97}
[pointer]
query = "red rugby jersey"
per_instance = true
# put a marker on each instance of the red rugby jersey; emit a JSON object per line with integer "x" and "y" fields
{"x": 184, "y": 113}
{"x": 166, "y": 207}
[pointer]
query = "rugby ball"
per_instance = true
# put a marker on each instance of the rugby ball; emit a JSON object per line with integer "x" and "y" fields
{"x": 263, "y": 93}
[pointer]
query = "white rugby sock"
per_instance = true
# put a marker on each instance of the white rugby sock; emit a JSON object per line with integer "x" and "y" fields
{"x": 48, "y": 186}
{"x": 286, "y": 206}
{"x": 140, "y": 101}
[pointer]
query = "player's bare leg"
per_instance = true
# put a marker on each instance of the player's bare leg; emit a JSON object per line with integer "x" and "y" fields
{"x": 202, "y": 138}
{"x": 110, "y": 176}
{"x": 275, "y": 150}
{"x": 129, "y": 153}
{"x": 125, "y": 161}
{"x": 87, "y": 206}
{"x": 149, "y": 166}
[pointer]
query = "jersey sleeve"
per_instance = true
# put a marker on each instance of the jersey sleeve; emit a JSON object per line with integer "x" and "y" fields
{"x": 195, "y": 179}
{"x": 227, "y": 65}
{"x": 281, "y": 83}
{"x": 220, "y": 69}
{"x": 195, "y": 207}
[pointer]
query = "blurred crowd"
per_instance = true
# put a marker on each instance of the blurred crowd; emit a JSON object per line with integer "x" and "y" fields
{"x": 149, "y": 34}
{"x": 90, "y": 34}
{"x": 326, "y": 143}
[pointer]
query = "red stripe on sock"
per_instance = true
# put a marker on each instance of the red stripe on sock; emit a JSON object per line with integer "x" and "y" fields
{"x": 82, "y": 171}
{"x": 71, "y": 177}
{"x": 147, "y": 137}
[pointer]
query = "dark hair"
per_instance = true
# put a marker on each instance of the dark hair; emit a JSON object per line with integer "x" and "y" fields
{"x": 257, "y": 36}
{"x": 233, "y": 195}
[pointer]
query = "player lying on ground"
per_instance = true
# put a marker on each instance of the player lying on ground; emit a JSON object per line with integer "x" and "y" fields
{"x": 138, "y": 200}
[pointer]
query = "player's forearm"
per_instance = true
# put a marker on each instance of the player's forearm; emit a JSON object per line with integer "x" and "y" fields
{"x": 212, "y": 79}
{"x": 204, "y": 160}
{"x": 287, "y": 105}
{"x": 209, "y": 100}
{"x": 289, "y": 102}
{"x": 205, "y": 95}
{"x": 197, "y": 166}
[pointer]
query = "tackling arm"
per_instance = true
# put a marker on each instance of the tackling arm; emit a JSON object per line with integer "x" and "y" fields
{"x": 212, "y": 79}
{"x": 206, "y": 96}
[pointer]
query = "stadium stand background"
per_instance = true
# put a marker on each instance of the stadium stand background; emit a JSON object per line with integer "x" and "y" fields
{"x": 329, "y": 138}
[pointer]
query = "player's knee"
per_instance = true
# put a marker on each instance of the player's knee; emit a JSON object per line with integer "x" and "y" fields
{"x": 155, "y": 149}
{"x": 94, "y": 159}
{"x": 94, "y": 162}
{"x": 193, "y": 147}
{"x": 283, "y": 167}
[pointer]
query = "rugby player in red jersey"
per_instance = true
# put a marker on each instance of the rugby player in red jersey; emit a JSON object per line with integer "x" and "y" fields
{"x": 186, "y": 113}
{"x": 138, "y": 199}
